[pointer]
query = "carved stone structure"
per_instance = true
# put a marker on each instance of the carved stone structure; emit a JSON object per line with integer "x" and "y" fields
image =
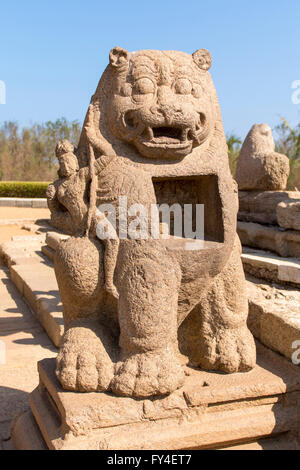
{"x": 288, "y": 214}
{"x": 268, "y": 214}
{"x": 211, "y": 411}
{"x": 153, "y": 134}
{"x": 259, "y": 167}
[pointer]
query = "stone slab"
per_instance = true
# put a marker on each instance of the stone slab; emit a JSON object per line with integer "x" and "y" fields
{"x": 24, "y": 343}
{"x": 211, "y": 411}
{"x": 23, "y": 202}
{"x": 26, "y": 435}
{"x": 268, "y": 266}
{"x": 54, "y": 238}
{"x": 285, "y": 243}
{"x": 282, "y": 442}
{"x": 288, "y": 214}
{"x": 40, "y": 203}
{"x": 22, "y": 250}
{"x": 33, "y": 274}
{"x": 274, "y": 315}
{"x": 49, "y": 252}
{"x": 37, "y": 283}
{"x": 22, "y": 221}
{"x": 260, "y": 206}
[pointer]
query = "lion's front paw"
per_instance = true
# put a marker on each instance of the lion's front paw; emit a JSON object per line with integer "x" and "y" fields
{"x": 232, "y": 350}
{"x": 83, "y": 363}
{"x": 148, "y": 374}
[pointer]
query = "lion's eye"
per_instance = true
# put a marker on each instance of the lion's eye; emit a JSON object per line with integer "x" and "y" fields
{"x": 126, "y": 90}
{"x": 143, "y": 86}
{"x": 183, "y": 86}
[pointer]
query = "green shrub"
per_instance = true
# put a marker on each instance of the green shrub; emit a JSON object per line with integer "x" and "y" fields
{"x": 30, "y": 189}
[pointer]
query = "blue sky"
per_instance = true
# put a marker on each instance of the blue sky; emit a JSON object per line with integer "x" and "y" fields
{"x": 52, "y": 52}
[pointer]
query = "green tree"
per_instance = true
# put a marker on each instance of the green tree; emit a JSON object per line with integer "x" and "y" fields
{"x": 288, "y": 143}
{"x": 234, "y": 148}
{"x": 28, "y": 154}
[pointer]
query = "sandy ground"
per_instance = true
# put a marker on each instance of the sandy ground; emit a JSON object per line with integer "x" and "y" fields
{"x": 23, "y": 342}
{"x": 8, "y": 231}
{"x": 23, "y": 213}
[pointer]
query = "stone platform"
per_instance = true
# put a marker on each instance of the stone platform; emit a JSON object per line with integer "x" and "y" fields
{"x": 285, "y": 243}
{"x": 211, "y": 411}
{"x": 31, "y": 270}
{"x": 266, "y": 265}
{"x": 261, "y": 206}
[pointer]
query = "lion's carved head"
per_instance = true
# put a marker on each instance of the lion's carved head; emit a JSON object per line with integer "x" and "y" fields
{"x": 158, "y": 101}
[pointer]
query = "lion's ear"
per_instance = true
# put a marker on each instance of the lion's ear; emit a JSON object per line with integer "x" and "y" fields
{"x": 202, "y": 58}
{"x": 118, "y": 57}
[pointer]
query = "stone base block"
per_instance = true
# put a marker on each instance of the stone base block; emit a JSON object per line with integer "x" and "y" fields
{"x": 274, "y": 316}
{"x": 26, "y": 434}
{"x": 288, "y": 215}
{"x": 49, "y": 252}
{"x": 286, "y": 243}
{"x": 265, "y": 265}
{"x": 260, "y": 206}
{"x": 211, "y": 411}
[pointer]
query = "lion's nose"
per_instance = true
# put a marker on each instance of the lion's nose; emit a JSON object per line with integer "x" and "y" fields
{"x": 165, "y": 103}
{"x": 164, "y": 95}
{"x": 166, "y": 111}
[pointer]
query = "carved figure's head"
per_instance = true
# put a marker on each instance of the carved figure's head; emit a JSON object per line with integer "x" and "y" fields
{"x": 63, "y": 146}
{"x": 68, "y": 162}
{"x": 159, "y": 101}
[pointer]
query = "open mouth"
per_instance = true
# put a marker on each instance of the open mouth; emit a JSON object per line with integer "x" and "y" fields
{"x": 173, "y": 137}
{"x": 165, "y": 135}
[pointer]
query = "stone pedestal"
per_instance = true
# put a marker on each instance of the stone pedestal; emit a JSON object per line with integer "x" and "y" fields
{"x": 261, "y": 206}
{"x": 269, "y": 220}
{"x": 285, "y": 243}
{"x": 258, "y": 409}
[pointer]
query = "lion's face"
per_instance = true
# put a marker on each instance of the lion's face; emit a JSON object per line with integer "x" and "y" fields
{"x": 159, "y": 102}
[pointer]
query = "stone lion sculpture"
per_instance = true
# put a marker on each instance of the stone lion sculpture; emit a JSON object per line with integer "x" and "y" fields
{"x": 153, "y": 133}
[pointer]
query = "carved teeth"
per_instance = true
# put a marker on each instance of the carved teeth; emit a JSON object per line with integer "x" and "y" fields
{"x": 184, "y": 134}
{"x": 193, "y": 134}
{"x": 149, "y": 133}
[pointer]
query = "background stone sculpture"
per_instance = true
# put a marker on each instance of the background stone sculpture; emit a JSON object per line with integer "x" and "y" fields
{"x": 259, "y": 166}
{"x": 155, "y": 120}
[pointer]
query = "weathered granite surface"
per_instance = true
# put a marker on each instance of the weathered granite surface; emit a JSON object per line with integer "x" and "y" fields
{"x": 153, "y": 134}
{"x": 263, "y": 206}
{"x": 210, "y": 411}
{"x": 259, "y": 166}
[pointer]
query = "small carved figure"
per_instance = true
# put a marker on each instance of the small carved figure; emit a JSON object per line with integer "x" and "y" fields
{"x": 71, "y": 193}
